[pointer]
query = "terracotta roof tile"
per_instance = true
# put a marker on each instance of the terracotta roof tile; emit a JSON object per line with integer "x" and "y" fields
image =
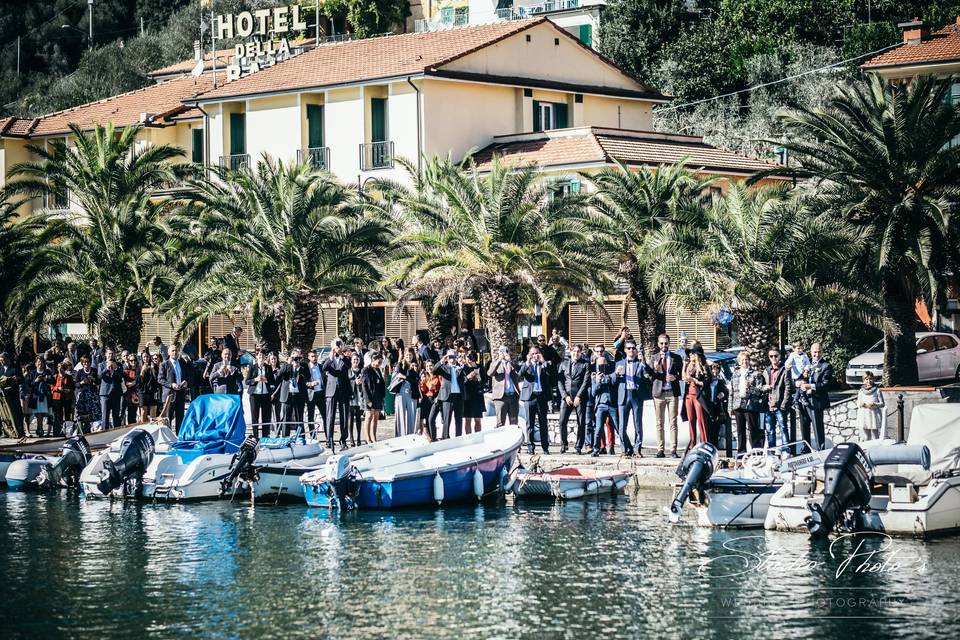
{"x": 594, "y": 144}
{"x": 359, "y": 60}
{"x": 943, "y": 45}
{"x": 122, "y": 110}
{"x": 186, "y": 66}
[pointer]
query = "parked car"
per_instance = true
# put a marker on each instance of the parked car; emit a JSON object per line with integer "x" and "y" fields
{"x": 938, "y": 358}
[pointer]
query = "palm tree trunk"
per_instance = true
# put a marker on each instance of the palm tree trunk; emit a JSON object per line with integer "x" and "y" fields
{"x": 499, "y": 308}
{"x": 899, "y": 347}
{"x": 650, "y": 318}
{"x": 122, "y": 329}
{"x": 270, "y": 334}
{"x": 757, "y": 331}
{"x": 303, "y": 326}
{"x": 439, "y": 322}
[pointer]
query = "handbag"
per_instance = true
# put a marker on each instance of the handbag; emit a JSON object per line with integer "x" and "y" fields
{"x": 395, "y": 384}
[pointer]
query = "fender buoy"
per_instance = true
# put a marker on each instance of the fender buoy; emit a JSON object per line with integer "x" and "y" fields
{"x": 621, "y": 484}
{"x": 572, "y": 494}
{"x": 592, "y": 486}
{"x": 478, "y": 483}
{"x": 438, "y": 488}
{"x": 605, "y": 483}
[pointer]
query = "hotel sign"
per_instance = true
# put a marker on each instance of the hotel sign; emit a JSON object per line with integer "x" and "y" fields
{"x": 268, "y": 30}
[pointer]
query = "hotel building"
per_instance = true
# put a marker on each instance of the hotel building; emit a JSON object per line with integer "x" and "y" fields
{"x": 528, "y": 90}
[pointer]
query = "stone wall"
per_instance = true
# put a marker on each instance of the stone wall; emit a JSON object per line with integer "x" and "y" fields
{"x": 840, "y": 420}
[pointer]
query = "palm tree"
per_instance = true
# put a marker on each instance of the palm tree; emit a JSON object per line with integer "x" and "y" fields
{"x": 883, "y": 157}
{"x": 758, "y": 254}
{"x": 504, "y": 238}
{"x": 18, "y": 243}
{"x": 100, "y": 259}
{"x": 632, "y": 205}
{"x": 281, "y": 238}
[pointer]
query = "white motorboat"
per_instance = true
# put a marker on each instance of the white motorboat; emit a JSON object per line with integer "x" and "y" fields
{"x": 36, "y": 471}
{"x": 736, "y": 497}
{"x": 910, "y": 489}
{"x": 118, "y": 469}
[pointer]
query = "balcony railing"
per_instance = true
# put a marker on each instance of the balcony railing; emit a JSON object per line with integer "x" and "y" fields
{"x": 56, "y": 201}
{"x": 317, "y": 156}
{"x": 376, "y": 155}
{"x": 235, "y": 162}
{"x": 510, "y": 13}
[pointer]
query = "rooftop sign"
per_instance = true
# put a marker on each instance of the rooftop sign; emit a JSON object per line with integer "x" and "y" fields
{"x": 268, "y": 30}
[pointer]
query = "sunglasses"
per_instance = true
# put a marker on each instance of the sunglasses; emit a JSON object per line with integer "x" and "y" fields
{"x": 774, "y": 355}
{"x": 631, "y": 348}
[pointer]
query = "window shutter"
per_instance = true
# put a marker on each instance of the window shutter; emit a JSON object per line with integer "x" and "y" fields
{"x": 197, "y": 147}
{"x": 536, "y": 116}
{"x": 574, "y": 186}
{"x": 586, "y": 34}
{"x": 560, "y": 115}
{"x": 328, "y": 321}
{"x": 314, "y": 126}
{"x": 378, "y": 119}
{"x": 238, "y": 133}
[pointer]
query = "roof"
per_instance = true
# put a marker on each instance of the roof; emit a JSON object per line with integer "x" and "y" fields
{"x": 939, "y": 47}
{"x": 163, "y": 100}
{"x": 374, "y": 58}
{"x": 600, "y": 145}
{"x": 186, "y": 66}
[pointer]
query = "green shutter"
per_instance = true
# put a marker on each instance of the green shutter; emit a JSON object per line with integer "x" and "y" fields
{"x": 586, "y": 34}
{"x": 536, "y": 116}
{"x": 560, "y": 114}
{"x": 197, "y": 147}
{"x": 574, "y": 186}
{"x": 238, "y": 133}
{"x": 378, "y": 120}
{"x": 314, "y": 126}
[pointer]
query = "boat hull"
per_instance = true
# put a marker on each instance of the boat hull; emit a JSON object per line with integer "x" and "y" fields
{"x": 90, "y": 476}
{"x": 934, "y": 512}
{"x": 735, "y": 503}
{"x": 22, "y": 474}
{"x": 568, "y": 484}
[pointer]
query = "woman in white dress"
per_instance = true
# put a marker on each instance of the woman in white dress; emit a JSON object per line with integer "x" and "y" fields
{"x": 869, "y": 406}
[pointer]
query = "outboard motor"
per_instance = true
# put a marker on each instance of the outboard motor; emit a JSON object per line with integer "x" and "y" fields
{"x": 136, "y": 452}
{"x": 695, "y": 469}
{"x": 846, "y": 485}
{"x": 242, "y": 467}
{"x": 339, "y": 482}
{"x": 75, "y": 455}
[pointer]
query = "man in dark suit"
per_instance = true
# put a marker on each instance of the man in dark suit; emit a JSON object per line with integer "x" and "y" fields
{"x": 534, "y": 396}
{"x": 336, "y": 372}
{"x": 226, "y": 376}
{"x": 360, "y": 349}
{"x": 815, "y": 384}
{"x": 601, "y": 390}
{"x": 175, "y": 376}
{"x": 232, "y": 341}
{"x": 451, "y": 393}
{"x": 504, "y": 375}
{"x": 96, "y": 354}
{"x": 778, "y": 387}
{"x": 111, "y": 390}
{"x": 573, "y": 383}
{"x": 628, "y": 380}
{"x": 293, "y": 391}
{"x": 553, "y": 358}
{"x": 10, "y": 380}
{"x": 666, "y": 370}
{"x": 600, "y": 362}
{"x": 423, "y": 351}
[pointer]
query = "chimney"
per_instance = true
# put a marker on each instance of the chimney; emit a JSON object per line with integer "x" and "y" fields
{"x": 915, "y": 31}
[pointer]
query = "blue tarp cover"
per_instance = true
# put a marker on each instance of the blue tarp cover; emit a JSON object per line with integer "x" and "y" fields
{"x": 213, "y": 423}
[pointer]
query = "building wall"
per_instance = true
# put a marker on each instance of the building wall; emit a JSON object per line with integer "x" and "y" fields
{"x": 344, "y": 113}
{"x": 273, "y": 127}
{"x": 617, "y": 113}
{"x": 459, "y": 116}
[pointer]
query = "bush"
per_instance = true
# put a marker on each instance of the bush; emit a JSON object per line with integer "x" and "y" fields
{"x": 842, "y": 338}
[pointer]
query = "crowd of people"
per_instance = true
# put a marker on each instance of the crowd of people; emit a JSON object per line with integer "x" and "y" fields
{"x": 437, "y": 388}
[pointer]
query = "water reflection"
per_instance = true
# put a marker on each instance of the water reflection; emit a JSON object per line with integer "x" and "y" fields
{"x": 611, "y": 567}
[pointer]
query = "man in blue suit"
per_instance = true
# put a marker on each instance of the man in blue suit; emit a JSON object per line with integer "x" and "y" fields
{"x": 111, "y": 391}
{"x": 601, "y": 388}
{"x": 534, "y": 396}
{"x": 628, "y": 378}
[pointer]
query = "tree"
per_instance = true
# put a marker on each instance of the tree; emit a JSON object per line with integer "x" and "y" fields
{"x": 281, "y": 238}
{"x": 634, "y": 31}
{"x": 100, "y": 259}
{"x": 505, "y": 238}
{"x": 368, "y": 18}
{"x": 632, "y": 204}
{"x": 17, "y": 244}
{"x": 759, "y": 254}
{"x": 883, "y": 158}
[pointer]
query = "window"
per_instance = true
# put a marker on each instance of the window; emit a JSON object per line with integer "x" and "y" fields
{"x": 378, "y": 120}
{"x": 56, "y": 199}
{"x": 314, "y": 126}
{"x": 564, "y": 187}
{"x": 586, "y": 34}
{"x": 549, "y": 115}
{"x": 197, "y": 145}
{"x": 238, "y": 134}
{"x": 945, "y": 342}
{"x": 927, "y": 343}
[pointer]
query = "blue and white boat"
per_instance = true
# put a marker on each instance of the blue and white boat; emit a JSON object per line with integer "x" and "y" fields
{"x": 404, "y": 475}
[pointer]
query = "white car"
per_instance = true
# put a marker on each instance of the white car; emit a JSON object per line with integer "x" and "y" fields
{"x": 938, "y": 358}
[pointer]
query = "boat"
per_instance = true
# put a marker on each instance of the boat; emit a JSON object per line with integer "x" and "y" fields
{"x": 278, "y": 478}
{"x": 36, "y": 471}
{"x": 52, "y": 447}
{"x": 566, "y": 483}
{"x": 735, "y": 497}
{"x": 908, "y": 489}
{"x": 118, "y": 470}
{"x": 404, "y": 474}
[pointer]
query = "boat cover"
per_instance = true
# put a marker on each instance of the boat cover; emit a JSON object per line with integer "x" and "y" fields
{"x": 213, "y": 423}
{"x": 938, "y": 427}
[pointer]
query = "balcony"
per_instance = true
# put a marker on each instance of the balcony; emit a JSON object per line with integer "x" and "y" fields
{"x": 56, "y": 202}
{"x": 376, "y": 155}
{"x": 446, "y": 21}
{"x": 235, "y": 162}
{"x": 319, "y": 157}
